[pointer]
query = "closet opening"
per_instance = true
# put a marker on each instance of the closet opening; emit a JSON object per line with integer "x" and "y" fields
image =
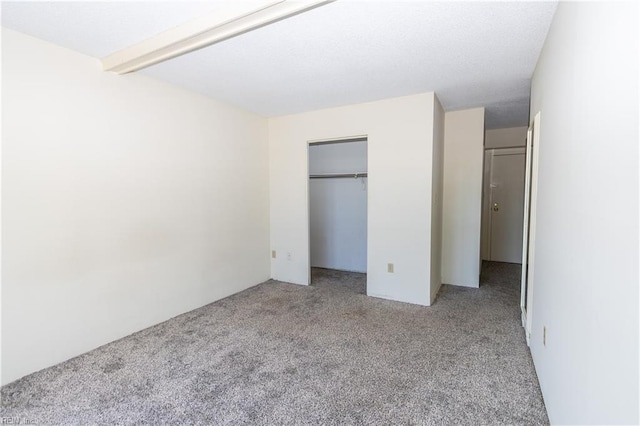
{"x": 337, "y": 188}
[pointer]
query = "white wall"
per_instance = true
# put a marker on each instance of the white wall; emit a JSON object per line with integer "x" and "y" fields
{"x": 462, "y": 204}
{"x": 505, "y": 138}
{"x": 586, "y": 257}
{"x": 400, "y": 150}
{"x": 338, "y": 207}
{"x": 126, "y": 201}
{"x": 436, "y": 198}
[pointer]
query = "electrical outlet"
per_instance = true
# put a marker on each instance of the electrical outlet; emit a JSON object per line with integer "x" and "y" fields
{"x": 390, "y": 267}
{"x": 288, "y": 255}
{"x": 273, "y": 254}
{"x": 544, "y": 335}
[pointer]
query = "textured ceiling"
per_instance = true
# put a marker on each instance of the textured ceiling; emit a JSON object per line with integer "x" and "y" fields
{"x": 98, "y": 28}
{"x": 470, "y": 53}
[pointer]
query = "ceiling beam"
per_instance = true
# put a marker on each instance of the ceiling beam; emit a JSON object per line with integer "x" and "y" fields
{"x": 230, "y": 20}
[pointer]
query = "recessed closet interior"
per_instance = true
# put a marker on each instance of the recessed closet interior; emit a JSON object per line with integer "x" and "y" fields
{"x": 338, "y": 204}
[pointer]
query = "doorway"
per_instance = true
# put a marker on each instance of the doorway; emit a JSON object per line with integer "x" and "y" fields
{"x": 338, "y": 181}
{"x": 503, "y": 207}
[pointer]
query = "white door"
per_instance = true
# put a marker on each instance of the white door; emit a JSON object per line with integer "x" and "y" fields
{"x": 506, "y": 204}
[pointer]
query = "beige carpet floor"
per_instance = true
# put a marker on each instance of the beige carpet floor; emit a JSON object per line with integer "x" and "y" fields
{"x": 325, "y": 354}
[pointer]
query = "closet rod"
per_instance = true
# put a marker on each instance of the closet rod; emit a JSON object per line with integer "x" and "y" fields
{"x": 339, "y": 175}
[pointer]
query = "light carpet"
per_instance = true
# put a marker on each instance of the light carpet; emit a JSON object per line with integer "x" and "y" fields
{"x": 287, "y": 354}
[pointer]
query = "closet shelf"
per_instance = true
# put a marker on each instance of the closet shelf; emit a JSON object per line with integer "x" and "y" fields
{"x": 356, "y": 175}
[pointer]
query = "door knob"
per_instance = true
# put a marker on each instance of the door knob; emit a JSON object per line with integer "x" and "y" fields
{"x": 496, "y": 207}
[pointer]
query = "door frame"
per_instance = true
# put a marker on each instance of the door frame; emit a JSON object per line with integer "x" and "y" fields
{"x": 529, "y": 224}
{"x": 330, "y": 141}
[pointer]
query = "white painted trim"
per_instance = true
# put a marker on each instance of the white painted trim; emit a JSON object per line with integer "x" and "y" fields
{"x": 535, "y": 156}
{"x": 342, "y": 139}
{"x": 223, "y": 23}
{"x": 525, "y": 226}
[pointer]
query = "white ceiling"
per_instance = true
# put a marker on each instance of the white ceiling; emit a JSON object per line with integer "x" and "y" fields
{"x": 470, "y": 53}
